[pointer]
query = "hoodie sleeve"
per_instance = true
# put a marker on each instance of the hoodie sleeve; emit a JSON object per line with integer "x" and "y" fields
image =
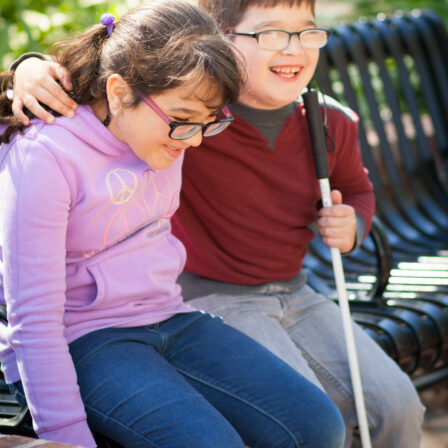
{"x": 35, "y": 205}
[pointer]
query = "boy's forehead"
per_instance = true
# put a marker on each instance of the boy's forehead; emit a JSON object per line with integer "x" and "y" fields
{"x": 276, "y": 22}
{"x": 265, "y": 16}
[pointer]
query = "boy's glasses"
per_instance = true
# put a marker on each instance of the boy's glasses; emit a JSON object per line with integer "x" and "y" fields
{"x": 182, "y": 131}
{"x": 279, "y": 40}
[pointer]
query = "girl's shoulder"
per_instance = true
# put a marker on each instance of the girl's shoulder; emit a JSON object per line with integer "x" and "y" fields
{"x": 83, "y": 134}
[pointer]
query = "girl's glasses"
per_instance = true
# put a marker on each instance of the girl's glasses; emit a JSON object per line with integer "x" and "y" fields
{"x": 279, "y": 39}
{"x": 182, "y": 131}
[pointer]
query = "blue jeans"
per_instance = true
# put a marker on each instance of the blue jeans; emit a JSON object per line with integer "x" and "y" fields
{"x": 305, "y": 330}
{"x": 193, "y": 381}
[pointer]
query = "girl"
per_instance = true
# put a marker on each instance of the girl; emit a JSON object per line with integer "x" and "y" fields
{"x": 98, "y": 335}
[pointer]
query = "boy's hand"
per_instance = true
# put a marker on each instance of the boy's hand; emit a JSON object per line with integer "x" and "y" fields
{"x": 337, "y": 224}
{"x": 34, "y": 81}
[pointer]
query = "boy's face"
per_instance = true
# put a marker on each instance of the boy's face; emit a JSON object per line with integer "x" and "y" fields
{"x": 275, "y": 77}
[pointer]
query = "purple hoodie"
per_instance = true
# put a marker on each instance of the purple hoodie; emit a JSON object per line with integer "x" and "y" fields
{"x": 86, "y": 243}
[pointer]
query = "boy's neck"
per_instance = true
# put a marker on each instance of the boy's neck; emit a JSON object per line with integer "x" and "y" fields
{"x": 253, "y": 114}
{"x": 268, "y": 122}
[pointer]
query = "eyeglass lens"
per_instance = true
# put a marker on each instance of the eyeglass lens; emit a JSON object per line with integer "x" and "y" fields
{"x": 276, "y": 40}
{"x": 216, "y": 128}
{"x": 184, "y": 131}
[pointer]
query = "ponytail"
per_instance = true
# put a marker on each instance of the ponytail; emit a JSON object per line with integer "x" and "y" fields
{"x": 82, "y": 59}
{"x": 6, "y": 115}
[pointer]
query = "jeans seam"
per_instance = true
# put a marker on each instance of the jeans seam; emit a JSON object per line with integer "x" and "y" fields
{"x": 318, "y": 368}
{"x": 119, "y": 423}
{"x": 322, "y": 371}
{"x": 156, "y": 329}
{"x": 275, "y": 420}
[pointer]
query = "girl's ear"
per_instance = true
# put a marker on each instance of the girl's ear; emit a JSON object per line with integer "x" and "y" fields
{"x": 118, "y": 93}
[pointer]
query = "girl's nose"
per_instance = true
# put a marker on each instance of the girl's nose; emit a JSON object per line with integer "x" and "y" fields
{"x": 194, "y": 140}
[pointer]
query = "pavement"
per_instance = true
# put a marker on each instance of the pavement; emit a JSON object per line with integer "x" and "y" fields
{"x": 435, "y": 428}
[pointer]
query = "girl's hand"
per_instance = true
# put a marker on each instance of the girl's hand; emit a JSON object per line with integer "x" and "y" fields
{"x": 337, "y": 224}
{"x": 34, "y": 81}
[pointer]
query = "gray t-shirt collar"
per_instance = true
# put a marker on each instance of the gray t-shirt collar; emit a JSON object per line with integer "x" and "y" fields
{"x": 268, "y": 122}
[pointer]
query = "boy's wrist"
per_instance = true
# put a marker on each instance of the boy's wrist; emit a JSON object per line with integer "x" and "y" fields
{"x": 29, "y": 55}
{"x": 359, "y": 235}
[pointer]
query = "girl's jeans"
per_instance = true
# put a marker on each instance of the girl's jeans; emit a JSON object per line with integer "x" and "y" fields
{"x": 193, "y": 381}
{"x": 305, "y": 330}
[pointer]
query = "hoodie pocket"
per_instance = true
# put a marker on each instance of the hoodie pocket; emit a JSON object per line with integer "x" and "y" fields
{"x": 142, "y": 273}
{"x": 91, "y": 291}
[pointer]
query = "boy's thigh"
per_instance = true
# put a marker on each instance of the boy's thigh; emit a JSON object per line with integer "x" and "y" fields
{"x": 314, "y": 323}
{"x": 136, "y": 398}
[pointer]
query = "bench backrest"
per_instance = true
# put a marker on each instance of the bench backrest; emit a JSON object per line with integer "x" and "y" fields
{"x": 394, "y": 74}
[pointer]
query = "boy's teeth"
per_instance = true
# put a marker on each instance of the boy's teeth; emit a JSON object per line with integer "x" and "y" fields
{"x": 284, "y": 71}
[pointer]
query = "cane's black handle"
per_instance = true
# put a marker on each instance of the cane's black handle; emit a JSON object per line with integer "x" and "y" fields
{"x": 317, "y": 134}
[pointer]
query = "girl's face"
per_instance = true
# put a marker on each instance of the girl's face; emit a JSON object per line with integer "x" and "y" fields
{"x": 146, "y": 132}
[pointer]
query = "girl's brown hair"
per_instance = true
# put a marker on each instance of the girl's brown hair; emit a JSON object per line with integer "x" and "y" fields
{"x": 229, "y": 13}
{"x": 154, "y": 47}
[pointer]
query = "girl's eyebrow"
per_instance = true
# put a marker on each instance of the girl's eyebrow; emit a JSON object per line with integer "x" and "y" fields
{"x": 214, "y": 110}
{"x": 277, "y": 24}
{"x": 186, "y": 110}
{"x": 183, "y": 110}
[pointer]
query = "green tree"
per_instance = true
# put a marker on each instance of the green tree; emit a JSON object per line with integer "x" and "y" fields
{"x": 33, "y": 25}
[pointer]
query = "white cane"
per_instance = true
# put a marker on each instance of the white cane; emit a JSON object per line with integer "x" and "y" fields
{"x": 318, "y": 143}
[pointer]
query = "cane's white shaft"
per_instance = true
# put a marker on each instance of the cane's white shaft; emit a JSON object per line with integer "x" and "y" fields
{"x": 348, "y": 329}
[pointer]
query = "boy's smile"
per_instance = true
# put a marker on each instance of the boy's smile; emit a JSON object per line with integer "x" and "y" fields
{"x": 287, "y": 72}
{"x": 275, "y": 77}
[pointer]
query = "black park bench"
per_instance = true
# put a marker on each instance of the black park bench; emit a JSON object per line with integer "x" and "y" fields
{"x": 393, "y": 73}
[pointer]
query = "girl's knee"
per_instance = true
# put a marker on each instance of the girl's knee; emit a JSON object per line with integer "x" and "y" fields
{"x": 327, "y": 428}
{"x": 213, "y": 434}
{"x": 317, "y": 425}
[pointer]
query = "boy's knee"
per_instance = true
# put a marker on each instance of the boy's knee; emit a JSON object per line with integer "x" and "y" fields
{"x": 396, "y": 416}
{"x": 402, "y": 404}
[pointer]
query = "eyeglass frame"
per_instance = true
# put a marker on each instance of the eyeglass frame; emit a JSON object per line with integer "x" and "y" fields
{"x": 289, "y": 33}
{"x": 175, "y": 124}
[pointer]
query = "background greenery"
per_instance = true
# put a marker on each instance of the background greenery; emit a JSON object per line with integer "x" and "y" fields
{"x": 333, "y": 12}
{"x": 32, "y": 25}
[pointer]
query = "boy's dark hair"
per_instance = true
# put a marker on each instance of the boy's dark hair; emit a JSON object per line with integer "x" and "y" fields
{"x": 229, "y": 13}
{"x": 154, "y": 47}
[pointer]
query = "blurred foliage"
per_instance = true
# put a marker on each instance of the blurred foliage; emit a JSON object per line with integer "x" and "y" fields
{"x": 369, "y": 7}
{"x": 33, "y": 25}
{"x": 333, "y": 12}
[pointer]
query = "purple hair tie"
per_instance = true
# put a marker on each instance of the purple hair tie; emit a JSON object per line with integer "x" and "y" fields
{"x": 108, "y": 20}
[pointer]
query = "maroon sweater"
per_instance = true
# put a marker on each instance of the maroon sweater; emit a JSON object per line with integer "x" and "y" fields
{"x": 246, "y": 206}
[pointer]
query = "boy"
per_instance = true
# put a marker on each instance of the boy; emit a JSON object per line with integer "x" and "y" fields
{"x": 247, "y": 206}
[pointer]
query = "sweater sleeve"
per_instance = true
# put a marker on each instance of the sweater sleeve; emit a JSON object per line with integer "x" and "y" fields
{"x": 348, "y": 173}
{"x": 34, "y": 216}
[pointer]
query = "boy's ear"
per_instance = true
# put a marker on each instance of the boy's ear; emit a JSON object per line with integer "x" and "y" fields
{"x": 118, "y": 93}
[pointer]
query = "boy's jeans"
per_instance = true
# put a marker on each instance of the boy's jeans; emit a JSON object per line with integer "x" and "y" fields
{"x": 304, "y": 329}
{"x": 193, "y": 381}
